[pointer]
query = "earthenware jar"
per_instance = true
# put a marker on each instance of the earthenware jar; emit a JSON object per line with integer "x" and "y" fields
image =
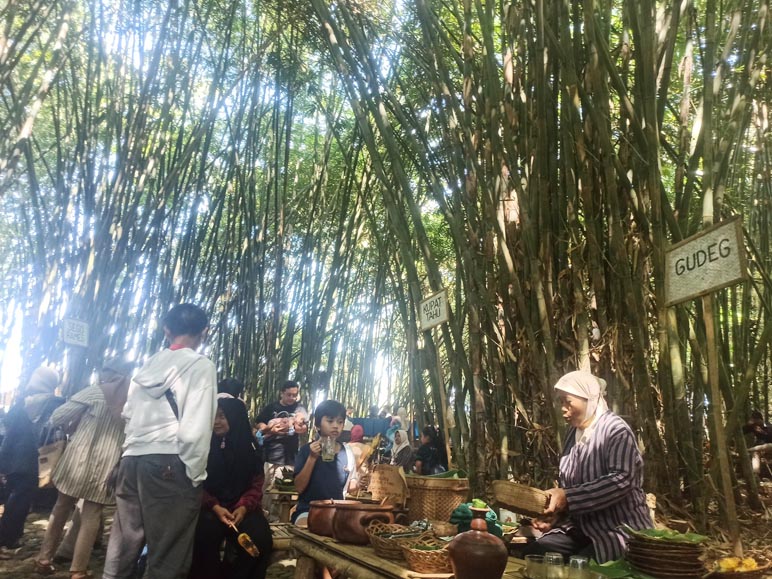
{"x": 477, "y": 553}
{"x": 321, "y": 513}
{"x": 351, "y": 520}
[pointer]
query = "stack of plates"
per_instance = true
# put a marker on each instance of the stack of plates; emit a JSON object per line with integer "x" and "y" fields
{"x": 665, "y": 558}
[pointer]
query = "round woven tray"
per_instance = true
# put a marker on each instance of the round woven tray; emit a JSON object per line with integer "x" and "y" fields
{"x": 421, "y": 561}
{"x": 760, "y": 571}
{"x": 389, "y": 548}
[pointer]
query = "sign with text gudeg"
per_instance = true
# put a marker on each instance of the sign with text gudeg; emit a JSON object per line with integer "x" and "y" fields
{"x": 434, "y": 310}
{"x": 708, "y": 261}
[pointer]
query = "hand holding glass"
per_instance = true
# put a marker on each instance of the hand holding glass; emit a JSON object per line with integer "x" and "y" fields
{"x": 328, "y": 448}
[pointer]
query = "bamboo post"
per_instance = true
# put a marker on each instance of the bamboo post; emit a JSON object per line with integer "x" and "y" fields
{"x": 305, "y": 568}
{"x": 443, "y": 401}
{"x": 730, "y": 510}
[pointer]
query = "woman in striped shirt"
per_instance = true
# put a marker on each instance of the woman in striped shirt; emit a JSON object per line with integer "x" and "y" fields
{"x": 94, "y": 414}
{"x": 601, "y": 472}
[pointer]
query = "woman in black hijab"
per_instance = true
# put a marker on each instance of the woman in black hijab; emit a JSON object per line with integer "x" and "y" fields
{"x": 232, "y": 496}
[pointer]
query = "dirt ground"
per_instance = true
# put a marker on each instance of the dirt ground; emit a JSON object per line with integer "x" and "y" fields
{"x": 22, "y": 565}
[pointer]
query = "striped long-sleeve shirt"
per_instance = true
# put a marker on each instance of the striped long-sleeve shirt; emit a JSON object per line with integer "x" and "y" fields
{"x": 602, "y": 479}
{"x": 93, "y": 450}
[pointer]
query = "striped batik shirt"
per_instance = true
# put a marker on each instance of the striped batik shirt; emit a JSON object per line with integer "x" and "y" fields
{"x": 602, "y": 478}
{"x": 92, "y": 451}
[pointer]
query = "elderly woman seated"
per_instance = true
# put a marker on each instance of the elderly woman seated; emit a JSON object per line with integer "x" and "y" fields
{"x": 601, "y": 471}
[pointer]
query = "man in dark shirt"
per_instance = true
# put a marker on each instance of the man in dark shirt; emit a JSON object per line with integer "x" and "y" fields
{"x": 279, "y": 425}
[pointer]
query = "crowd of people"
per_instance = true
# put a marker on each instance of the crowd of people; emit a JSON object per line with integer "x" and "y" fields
{"x": 188, "y": 473}
{"x": 176, "y": 454}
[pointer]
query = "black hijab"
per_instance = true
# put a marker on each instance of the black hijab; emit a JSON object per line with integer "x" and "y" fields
{"x": 233, "y": 459}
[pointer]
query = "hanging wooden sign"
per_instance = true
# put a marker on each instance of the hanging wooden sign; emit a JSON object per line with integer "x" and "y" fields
{"x": 433, "y": 311}
{"x": 708, "y": 261}
{"x": 75, "y": 332}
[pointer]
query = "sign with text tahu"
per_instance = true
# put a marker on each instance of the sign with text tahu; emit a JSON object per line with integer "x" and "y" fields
{"x": 433, "y": 311}
{"x": 705, "y": 262}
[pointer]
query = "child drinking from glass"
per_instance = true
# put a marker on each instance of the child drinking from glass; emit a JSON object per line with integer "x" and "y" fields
{"x": 324, "y": 468}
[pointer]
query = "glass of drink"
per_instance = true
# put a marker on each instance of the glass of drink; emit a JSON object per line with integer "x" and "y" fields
{"x": 578, "y": 567}
{"x": 534, "y": 566}
{"x": 553, "y": 566}
{"x": 328, "y": 448}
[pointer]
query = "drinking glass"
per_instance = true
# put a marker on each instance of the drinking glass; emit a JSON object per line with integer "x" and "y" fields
{"x": 553, "y": 566}
{"x": 534, "y": 566}
{"x": 578, "y": 567}
{"x": 328, "y": 448}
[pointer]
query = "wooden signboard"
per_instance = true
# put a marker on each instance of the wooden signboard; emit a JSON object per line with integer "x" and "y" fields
{"x": 388, "y": 481}
{"x": 708, "y": 261}
{"x": 433, "y": 311}
{"x": 75, "y": 332}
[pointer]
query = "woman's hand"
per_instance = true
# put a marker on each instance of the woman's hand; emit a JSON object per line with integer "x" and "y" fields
{"x": 558, "y": 502}
{"x": 225, "y": 516}
{"x": 316, "y": 448}
{"x": 543, "y": 524}
{"x": 239, "y": 514}
{"x": 364, "y": 482}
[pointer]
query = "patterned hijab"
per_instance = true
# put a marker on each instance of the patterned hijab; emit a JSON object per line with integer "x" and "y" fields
{"x": 588, "y": 386}
{"x": 397, "y": 447}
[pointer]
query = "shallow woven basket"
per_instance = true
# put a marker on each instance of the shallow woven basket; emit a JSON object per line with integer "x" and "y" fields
{"x": 757, "y": 573}
{"x": 520, "y": 498}
{"x": 390, "y": 548}
{"x": 437, "y": 561}
{"x": 435, "y": 498}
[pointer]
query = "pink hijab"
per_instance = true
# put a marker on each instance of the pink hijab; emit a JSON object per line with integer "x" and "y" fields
{"x": 357, "y": 433}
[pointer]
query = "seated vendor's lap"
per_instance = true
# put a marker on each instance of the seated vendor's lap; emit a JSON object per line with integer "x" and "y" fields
{"x": 572, "y": 542}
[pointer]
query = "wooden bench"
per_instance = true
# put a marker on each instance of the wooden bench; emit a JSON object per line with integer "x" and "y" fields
{"x": 281, "y": 536}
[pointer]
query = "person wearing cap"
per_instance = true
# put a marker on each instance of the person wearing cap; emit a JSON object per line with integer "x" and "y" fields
{"x": 19, "y": 452}
{"x": 601, "y": 473}
{"x": 93, "y": 415}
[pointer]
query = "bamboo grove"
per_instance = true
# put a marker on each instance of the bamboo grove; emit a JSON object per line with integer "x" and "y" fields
{"x": 310, "y": 171}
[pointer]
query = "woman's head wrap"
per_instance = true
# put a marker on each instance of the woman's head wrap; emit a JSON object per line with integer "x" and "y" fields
{"x": 588, "y": 386}
{"x": 405, "y": 442}
{"x": 44, "y": 380}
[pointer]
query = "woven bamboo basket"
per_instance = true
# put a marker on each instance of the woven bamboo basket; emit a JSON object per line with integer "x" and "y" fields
{"x": 435, "y": 498}
{"x": 390, "y": 548}
{"x": 762, "y": 570}
{"x": 520, "y": 498}
{"x": 423, "y": 561}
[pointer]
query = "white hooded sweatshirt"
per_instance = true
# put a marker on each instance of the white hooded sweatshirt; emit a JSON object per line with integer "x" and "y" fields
{"x": 152, "y": 428}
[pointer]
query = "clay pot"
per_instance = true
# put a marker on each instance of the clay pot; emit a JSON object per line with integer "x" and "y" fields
{"x": 321, "y": 513}
{"x": 350, "y": 521}
{"x": 477, "y": 553}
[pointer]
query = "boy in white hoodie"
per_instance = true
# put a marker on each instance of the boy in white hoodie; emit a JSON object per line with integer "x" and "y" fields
{"x": 169, "y": 415}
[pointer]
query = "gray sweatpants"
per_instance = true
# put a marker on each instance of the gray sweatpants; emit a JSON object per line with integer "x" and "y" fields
{"x": 157, "y": 504}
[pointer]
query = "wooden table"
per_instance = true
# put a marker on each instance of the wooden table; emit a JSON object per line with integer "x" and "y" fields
{"x": 286, "y": 500}
{"x": 357, "y": 562}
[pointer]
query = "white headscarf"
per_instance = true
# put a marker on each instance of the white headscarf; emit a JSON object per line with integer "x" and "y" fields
{"x": 397, "y": 447}
{"x": 591, "y": 388}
